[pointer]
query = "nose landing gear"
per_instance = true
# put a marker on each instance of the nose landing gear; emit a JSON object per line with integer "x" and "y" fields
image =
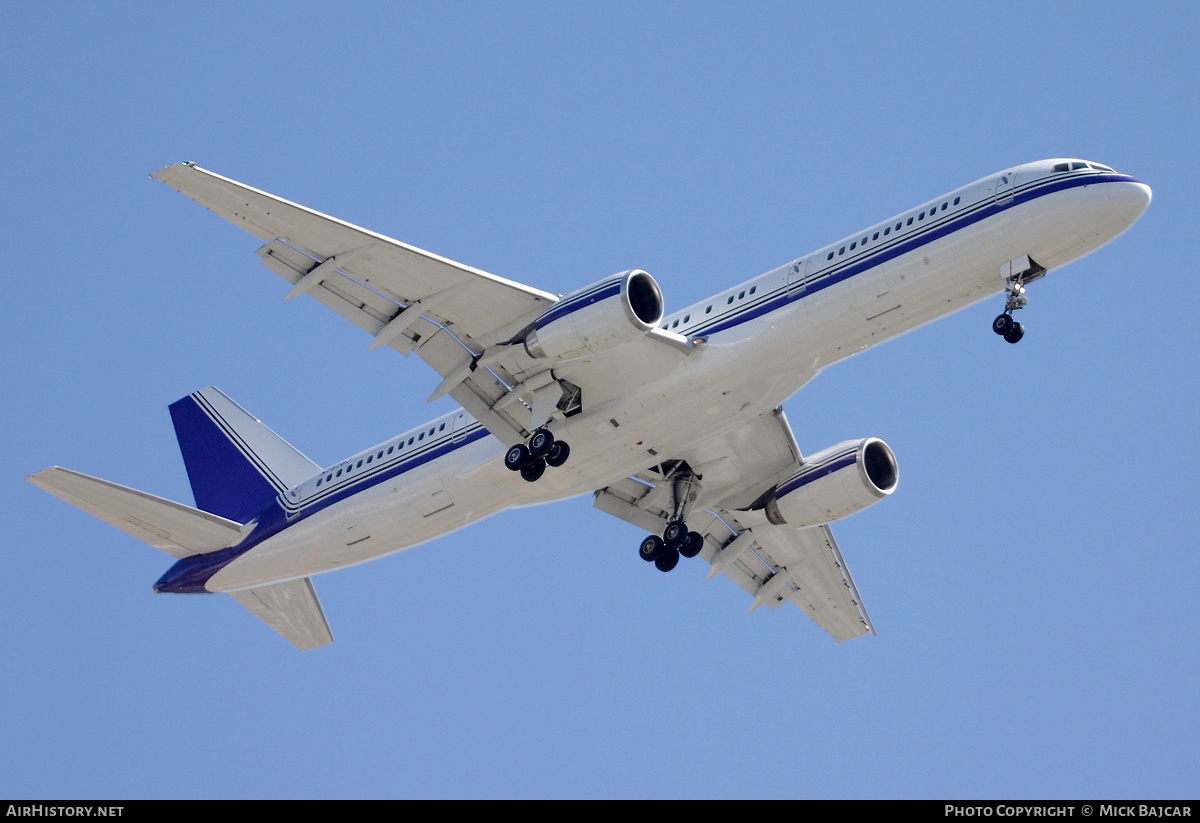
{"x": 1017, "y": 274}
{"x": 1009, "y": 329}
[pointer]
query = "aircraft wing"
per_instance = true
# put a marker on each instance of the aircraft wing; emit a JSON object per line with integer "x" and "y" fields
{"x": 773, "y": 563}
{"x": 406, "y": 298}
{"x": 463, "y": 322}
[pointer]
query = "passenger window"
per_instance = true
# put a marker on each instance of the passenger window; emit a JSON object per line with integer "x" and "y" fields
{"x": 956, "y": 199}
{"x": 730, "y": 300}
{"x": 842, "y": 250}
{"x": 319, "y": 479}
{"x": 752, "y": 288}
{"x": 369, "y": 458}
{"x": 328, "y": 478}
{"x": 431, "y": 431}
{"x": 741, "y": 294}
{"x": 854, "y": 245}
{"x": 910, "y": 221}
{"x": 708, "y": 310}
{"x": 686, "y": 318}
{"x": 830, "y": 257}
{"x": 921, "y": 216}
{"x": 898, "y": 225}
{"x": 390, "y": 449}
{"x": 359, "y": 466}
{"x": 863, "y": 241}
{"x": 944, "y": 205}
{"x": 876, "y": 236}
{"x": 676, "y": 323}
{"x": 339, "y": 473}
{"x": 887, "y": 231}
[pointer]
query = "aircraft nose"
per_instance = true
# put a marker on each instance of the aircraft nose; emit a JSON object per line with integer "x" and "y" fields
{"x": 1129, "y": 199}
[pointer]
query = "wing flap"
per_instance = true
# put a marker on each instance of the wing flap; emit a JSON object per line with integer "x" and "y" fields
{"x": 362, "y": 306}
{"x": 292, "y": 609}
{"x": 170, "y": 527}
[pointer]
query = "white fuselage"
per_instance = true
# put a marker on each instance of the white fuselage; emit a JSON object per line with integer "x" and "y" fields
{"x": 763, "y": 340}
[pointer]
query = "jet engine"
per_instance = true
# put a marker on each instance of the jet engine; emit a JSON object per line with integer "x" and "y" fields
{"x": 597, "y": 318}
{"x": 835, "y": 483}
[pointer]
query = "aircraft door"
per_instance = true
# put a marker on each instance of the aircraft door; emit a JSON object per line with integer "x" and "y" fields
{"x": 459, "y": 427}
{"x": 797, "y": 277}
{"x": 1005, "y": 184}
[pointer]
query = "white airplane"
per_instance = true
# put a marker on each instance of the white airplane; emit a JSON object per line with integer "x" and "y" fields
{"x": 673, "y": 423}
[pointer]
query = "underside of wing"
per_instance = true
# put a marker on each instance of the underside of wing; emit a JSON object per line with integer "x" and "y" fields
{"x": 468, "y": 325}
{"x": 778, "y": 564}
{"x": 722, "y": 482}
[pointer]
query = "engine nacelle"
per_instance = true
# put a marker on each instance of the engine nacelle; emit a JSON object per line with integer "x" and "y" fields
{"x": 835, "y": 483}
{"x": 598, "y": 317}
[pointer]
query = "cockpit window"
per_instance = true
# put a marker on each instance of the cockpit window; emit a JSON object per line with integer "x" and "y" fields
{"x": 1076, "y": 166}
{"x": 1099, "y": 167}
{"x": 1061, "y": 167}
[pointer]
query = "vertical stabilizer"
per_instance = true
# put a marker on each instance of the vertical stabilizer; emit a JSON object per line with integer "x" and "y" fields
{"x": 236, "y": 465}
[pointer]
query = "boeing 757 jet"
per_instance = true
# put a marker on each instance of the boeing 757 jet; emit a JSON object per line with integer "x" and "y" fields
{"x": 672, "y": 422}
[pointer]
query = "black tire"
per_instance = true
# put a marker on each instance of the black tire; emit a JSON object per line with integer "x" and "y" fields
{"x": 533, "y": 469}
{"x": 1015, "y": 333}
{"x": 1002, "y": 324}
{"x": 516, "y": 458}
{"x": 541, "y": 442}
{"x": 651, "y": 548}
{"x": 675, "y": 534}
{"x": 667, "y": 560}
{"x": 558, "y": 454}
{"x": 695, "y": 543}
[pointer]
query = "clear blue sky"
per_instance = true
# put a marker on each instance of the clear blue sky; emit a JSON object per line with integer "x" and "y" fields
{"x": 1034, "y": 580}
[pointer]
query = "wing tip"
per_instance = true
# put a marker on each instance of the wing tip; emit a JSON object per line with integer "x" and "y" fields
{"x": 162, "y": 173}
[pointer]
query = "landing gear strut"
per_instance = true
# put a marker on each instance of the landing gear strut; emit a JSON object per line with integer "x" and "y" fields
{"x": 676, "y": 540}
{"x": 1004, "y": 324}
{"x": 531, "y": 460}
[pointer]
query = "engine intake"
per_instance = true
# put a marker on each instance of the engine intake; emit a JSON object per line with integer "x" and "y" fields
{"x": 598, "y": 317}
{"x": 835, "y": 483}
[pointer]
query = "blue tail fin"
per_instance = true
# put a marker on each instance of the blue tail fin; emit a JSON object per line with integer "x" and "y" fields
{"x": 236, "y": 465}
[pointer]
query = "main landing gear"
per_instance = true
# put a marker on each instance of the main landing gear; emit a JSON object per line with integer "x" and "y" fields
{"x": 531, "y": 460}
{"x": 676, "y": 541}
{"x": 664, "y": 552}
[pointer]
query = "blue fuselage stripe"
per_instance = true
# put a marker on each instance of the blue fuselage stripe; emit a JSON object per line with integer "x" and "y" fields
{"x": 838, "y": 273}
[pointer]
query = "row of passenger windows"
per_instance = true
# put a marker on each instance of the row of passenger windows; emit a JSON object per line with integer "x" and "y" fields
{"x": 373, "y": 457}
{"x": 867, "y": 238}
{"x": 708, "y": 309}
{"x": 899, "y": 226}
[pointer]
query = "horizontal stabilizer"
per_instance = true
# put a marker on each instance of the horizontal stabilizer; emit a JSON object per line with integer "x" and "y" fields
{"x": 178, "y": 530}
{"x": 292, "y": 609}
